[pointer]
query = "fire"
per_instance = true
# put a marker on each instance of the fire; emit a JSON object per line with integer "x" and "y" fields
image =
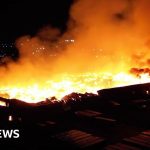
{"x": 67, "y": 83}
{"x": 2, "y": 104}
{"x": 106, "y": 44}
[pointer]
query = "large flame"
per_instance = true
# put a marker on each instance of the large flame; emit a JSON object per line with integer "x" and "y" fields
{"x": 106, "y": 45}
{"x": 67, "y": 83}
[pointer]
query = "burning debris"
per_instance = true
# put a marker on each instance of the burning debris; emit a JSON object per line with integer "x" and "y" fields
{"x": 59, "y": 89}
{"x": 132, "y": 94}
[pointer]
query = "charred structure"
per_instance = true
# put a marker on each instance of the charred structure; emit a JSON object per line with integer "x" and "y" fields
{"x": 114, "y": 110}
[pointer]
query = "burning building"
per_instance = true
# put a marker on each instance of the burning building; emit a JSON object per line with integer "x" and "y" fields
{"x": 96, "y": 57}
{"x": 99, "y": 63}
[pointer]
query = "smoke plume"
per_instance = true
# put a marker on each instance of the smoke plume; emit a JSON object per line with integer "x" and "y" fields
{"x": 102, "y": 36}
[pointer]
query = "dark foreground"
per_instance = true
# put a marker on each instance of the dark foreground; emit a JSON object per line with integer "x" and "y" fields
{"x": 117, "y": 118}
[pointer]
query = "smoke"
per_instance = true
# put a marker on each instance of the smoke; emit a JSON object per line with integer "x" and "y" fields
{"x": 115, "y": 32}
{"x": 102, "y": 36}
{"x": 105, "y": 34}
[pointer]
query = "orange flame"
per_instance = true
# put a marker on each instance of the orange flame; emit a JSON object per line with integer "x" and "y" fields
{"x": 103, "y": 42}
{"x": 80, "y": 83}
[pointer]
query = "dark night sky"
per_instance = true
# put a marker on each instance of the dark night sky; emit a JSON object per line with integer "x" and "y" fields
{"x": 23, "y": 17}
